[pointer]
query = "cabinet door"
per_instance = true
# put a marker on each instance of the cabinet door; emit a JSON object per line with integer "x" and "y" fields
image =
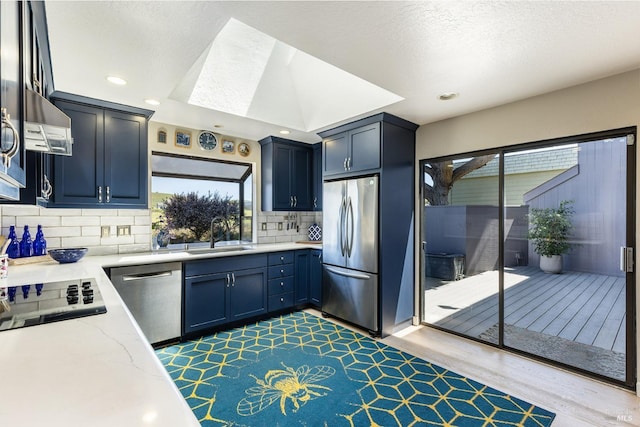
{"x": 302, "y": 265}
{"x": 317, "y": 177}
{"x": 301, "y": 179}
{"x": 206, "y": 301}
{"x": 282, "y": 166}
{"x": 248, "y": 293}
{"x": 12, "y": 92}
{"x": 364, "y": 150}
{"x": 77, "y": 179}
{"x": 125, "y": 159}
{"x": 335, "y": 151}
{"x": 315, "y": 278}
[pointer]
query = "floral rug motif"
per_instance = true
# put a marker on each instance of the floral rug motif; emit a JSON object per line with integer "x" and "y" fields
{"x": 301, "y": 370}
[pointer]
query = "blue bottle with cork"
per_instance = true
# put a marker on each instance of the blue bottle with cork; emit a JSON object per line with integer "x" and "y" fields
{"x": 13, "y": 250}
{"x": 39, "y": 243}
{"x": 26, "y": 244}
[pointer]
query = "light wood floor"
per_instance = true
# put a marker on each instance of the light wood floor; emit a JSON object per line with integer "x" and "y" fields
{"x": 577, "y": 401}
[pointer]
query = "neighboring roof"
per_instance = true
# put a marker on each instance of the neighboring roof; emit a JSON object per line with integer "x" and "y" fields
{"x": 529, "y": 161}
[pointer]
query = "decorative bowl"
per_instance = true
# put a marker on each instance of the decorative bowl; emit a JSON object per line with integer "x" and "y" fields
{"x": 67, "y": 256}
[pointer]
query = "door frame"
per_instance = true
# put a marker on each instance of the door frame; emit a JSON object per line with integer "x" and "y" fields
{"x": 631, "y": 356}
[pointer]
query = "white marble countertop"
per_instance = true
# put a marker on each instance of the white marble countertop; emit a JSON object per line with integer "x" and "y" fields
{"x": 93, "y": 371}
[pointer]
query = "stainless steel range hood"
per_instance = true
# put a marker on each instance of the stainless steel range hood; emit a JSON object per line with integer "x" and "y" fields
{"x": 47, "y": 129}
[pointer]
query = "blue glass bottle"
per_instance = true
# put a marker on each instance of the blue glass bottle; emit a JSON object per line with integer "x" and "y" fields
{"x": 13, "y": 250}
{"x": 39, "y": 243}
{"x": 26, "y": 244}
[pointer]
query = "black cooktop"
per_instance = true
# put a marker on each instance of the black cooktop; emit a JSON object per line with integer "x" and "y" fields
{"x": 41, "y": 303}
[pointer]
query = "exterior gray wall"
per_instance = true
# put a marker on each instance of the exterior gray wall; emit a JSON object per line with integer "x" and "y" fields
{"x": 473, "y": 232}
{"x": 598, "y": 192}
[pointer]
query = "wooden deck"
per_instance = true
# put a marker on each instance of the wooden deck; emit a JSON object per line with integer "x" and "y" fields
{"x": 581, "y": 307}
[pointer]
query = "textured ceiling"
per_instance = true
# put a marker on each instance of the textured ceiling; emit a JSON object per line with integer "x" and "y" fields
{"x": 491, "y": 53}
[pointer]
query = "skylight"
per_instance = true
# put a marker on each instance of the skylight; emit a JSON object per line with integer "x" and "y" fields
{"x": 251, "y": 74}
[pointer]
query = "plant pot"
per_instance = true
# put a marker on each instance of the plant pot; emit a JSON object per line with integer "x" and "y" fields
{"x": 551, "y": 264}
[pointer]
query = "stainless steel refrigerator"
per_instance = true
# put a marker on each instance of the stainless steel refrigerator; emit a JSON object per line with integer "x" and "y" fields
{"x": 350, "y": 251}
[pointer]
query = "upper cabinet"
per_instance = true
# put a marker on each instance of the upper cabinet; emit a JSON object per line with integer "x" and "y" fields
{"x": 286, "y": 175}
{"x": 12, "y": 100}
{"x": 352, "y": 151}
{"x": 317, "y": 177}
{"x": 109, "y": 165}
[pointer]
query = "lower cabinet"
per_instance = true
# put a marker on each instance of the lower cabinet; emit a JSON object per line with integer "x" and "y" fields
{"x": 315, "y": 278}
{"x": 222, "y": 290}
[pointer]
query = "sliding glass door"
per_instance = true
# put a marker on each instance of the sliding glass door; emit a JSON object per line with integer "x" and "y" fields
{"x": 534, "y": 237}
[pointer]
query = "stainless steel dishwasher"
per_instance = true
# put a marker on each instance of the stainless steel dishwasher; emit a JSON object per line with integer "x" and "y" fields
{"x": 153, "y": 294}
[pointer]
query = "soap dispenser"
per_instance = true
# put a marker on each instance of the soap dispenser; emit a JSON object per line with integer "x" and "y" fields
{"x": 26, "y": 244}
{"x": 13, "y": 250}
{"x": 39, "y": 244}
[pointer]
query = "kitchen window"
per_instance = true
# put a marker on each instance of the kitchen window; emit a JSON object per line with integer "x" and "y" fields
{"x": 193, "y": 197}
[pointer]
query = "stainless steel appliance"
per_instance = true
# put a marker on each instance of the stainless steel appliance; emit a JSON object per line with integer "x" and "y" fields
{"x": 153, "y": 294}
{"x": 350, "y": 251}
{"x": 40, "y": 303}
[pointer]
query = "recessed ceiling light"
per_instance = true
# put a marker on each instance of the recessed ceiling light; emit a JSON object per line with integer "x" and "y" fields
{"x": 448, "y": 96}
{"x": 285, "y": 132}
{"x": 117, "y": 80}
{"x": 152, "y": 101}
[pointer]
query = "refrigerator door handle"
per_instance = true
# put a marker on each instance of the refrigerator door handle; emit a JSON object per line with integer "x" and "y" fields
{"x": 350, "y": 228}
{"x": 349, "y": 274}
{"x": 343, "y": 212}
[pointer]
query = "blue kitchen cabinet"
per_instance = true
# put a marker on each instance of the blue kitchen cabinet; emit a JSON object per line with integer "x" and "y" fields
{"x": 317, "y": 177}
{"x": 286, "y": 175}
{"x": 352, "y": 151}
{"x": 315, "y": 278}
{"x": 108, "y": 168}
{"x": 281, "y": 280}
{"x": 12, "y": 99}
{"x": 206, "y": 301}
{"x": 303, "y": 264}
{"x": 222, "y": 290}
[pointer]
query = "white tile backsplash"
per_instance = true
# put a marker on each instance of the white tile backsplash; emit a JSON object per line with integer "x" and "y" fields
{"x": 82, "y": 227}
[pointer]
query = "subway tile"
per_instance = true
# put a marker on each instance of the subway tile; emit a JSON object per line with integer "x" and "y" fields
{"x": 142, "y": 238}
{"x": 142, "y": 220}
{"x": 266, "y": 240}
{"x": 80, "y": 220}
{"x": 91, "y": 230}
{"x": 116, "y": 240}
{"x": 7, "y": 221}
{"x": 80, "y": 242}
{"x": 282, "y": 239}
{"x": 33, "y": 221}
{"x": 62, "y": 232}
{"x": 100, "y": 212}
{"x": 53, "y": 242}
{"x": 20, "y": 210}
{"x": 140, "y": 229}
{"x": 116, "y": 220}
{"x": 60, "y": 212}
{"x": 103, "y": 250}
{"x": 124, "y": 249}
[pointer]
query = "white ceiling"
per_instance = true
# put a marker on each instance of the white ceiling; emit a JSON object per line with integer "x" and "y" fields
{"x": 490, "y": 52}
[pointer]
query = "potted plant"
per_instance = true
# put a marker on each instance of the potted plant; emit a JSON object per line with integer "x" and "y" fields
{"x": 549, "y": 231}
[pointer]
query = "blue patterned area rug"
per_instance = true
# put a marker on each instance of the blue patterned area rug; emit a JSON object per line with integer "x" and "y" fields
{"x": 302, "y": 370}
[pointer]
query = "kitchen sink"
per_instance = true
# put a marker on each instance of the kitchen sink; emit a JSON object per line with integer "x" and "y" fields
{"x": 198, "y": 251}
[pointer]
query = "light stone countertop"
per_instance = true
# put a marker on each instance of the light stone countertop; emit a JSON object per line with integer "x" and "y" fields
{"x": 93, "y": 371}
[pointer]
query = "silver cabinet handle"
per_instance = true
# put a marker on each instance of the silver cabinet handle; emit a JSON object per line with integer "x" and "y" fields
{"x": 315, "y": 202}
{"x": 100, "y": 194}
{"x": 291, "y": 201}
{"x": 282, "y": 258}
{"x": 282, "y": 284}
{"x": 47, "y": 189}
{"x": 108, "y": 194}
{"x": 228, "y": 280}
{"x": 233, "y": 279}
{"x": 348, "y": 163}
{"x": 282, "y": 272}
{"x": 281, "y": 299}
{"x": 295, "y": 201}
{"x": 344, "y": 164}
{"x": 6, "y": 123}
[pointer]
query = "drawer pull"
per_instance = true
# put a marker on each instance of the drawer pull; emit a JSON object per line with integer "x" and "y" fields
{"x": 281, "y": 299}
{"x": 282, "y": 284}
{"x": 281, "y": 271}
{"x": 282, "y": 258}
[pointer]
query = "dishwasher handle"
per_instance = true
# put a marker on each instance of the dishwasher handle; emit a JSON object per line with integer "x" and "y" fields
{"x": 141, "y": 276}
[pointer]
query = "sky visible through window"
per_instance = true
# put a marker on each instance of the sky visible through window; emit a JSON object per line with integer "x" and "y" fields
{"x": 161, "y": 184}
